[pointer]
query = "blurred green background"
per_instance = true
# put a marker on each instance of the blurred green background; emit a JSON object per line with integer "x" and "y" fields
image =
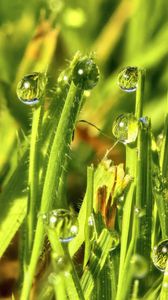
{"x": 44, "y": 35}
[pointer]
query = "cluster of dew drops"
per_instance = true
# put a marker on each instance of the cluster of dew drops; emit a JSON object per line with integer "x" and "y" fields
{"x": 30, "y": 91}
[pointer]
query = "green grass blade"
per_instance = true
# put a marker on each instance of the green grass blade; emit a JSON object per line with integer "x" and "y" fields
{"x": 96, "y": 263}
{"x": 54, "y": 169}
{"x": 10, "y": 224}
{"x": 89, "y": 210}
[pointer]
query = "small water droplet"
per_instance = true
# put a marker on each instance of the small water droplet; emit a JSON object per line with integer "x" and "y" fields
{"x": 30, "y": 88}
{"x": 55, "y": 6}
{"x": 139, "y": 266}
{"x": 125, "y": 128}
{"x": 91, "y": 224}
{"x": 121, "y": 199}
{"x": 61, "y": 263}
{"x": 115, "y": 239}
{"x": 160, "y": 255}
{"x": 85, "y": 74}
{"x": 52, "y": 278}
{"x": 128, "y": 79}
{"x": 120, "y": 202}
{"x": 91, "y": 221}
{"x": 64, "y": 222}
{"x": 144, "y": 121}
{"x": 64, "y": 78}
{"x": 139, "y": 212}
{"x": 159, "y": 141}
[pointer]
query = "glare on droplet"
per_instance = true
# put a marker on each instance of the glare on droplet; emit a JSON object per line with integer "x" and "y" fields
{"x": 63, "y": 222}
{"x": 52, "y": 220}
{"x": 80, "y": 71}
{"x": 31, "y": 87}
{"x": 26, "y": 85}
{"x": 125, "y": 128}
{"x": 128, "y": 79}
{"x": 85, "y": 74}
{"x": 65, "y": 78}
{"x": 160, "y": 255}
{"x": 74, "y": 229}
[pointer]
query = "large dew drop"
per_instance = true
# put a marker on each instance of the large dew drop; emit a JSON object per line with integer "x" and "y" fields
{"x": 128, "y": 79}
{"x": 125, "y": 128}
{"x": 63, "y": 222}
{"x": 85, "y": 74}
{"x": 160, "y": 255}
{"x": 30, "y": 88}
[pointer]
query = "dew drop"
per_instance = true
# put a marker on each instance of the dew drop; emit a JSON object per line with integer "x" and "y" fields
{"x": 64, "y": 222}
{"x": 139, "y": 212}
{"x": 139, "y": 266}
{"x": 159, "y": 141}
{"x": 115, "y": 239}
{"x": 30, "y": 88}
{"x": 64, "y": 78}
{"x": 85, "y": 74}
{"x": 61, "y": 263}
{"x": 52, "y": 278}
{"x": 125, "y": 128}
{"x": 128, "y": 79}
{"x": 160, "y": 255}
{"x": 91, "y": 225}
{"x": 91, "y": 221}
{"x": 120, "y": 202}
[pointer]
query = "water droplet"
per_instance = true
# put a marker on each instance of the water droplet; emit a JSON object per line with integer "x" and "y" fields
{"x": 160, "y": 255}
{"x": 64, "y": 78}
{"x": 121, "y": 199}
{"x": 64, "y": 222}
{"x": 61, "y": 263}
{"x": 55, "y": 6}
{"x": 120, "y": 202}
{"x": 115, "y": 239}
{"x": 125, "y": 128}
{"x": 30, "y": 88}
{"x": 91, "y": 221}
{"x": 91, "y": 224}
{"x": 159, "y": 141}
{"x": 85, "y": 74}
{"x": 144, "y": 121}
{"x": 139, "y": 266}
{"x": 52, "y": 278}
{"x": 139, "y": 212}
{"x": 128, "y": 79}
